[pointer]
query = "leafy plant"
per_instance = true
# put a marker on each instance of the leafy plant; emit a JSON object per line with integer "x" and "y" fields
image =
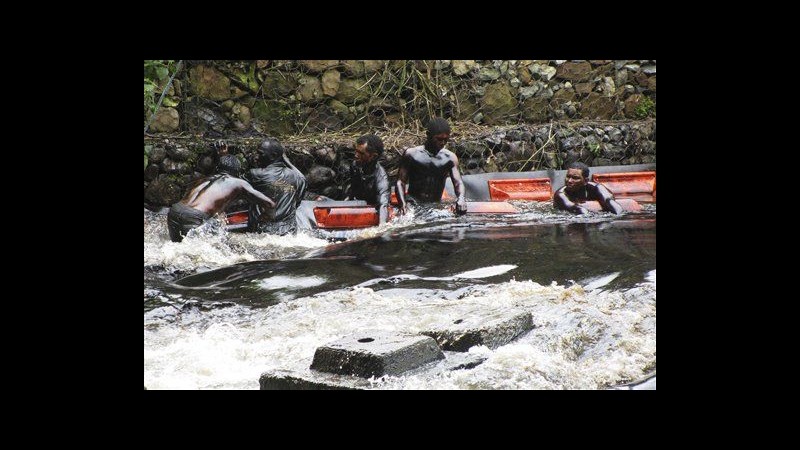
{"x": 147, "y": 149}
{"x": 594, "y": 148}
{"x": 645, "y": 108}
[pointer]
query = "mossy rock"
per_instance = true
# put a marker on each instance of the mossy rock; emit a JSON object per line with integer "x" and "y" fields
{"x": 562, "y": 96}
{"x": 209, "y": 83}
{"x": 274, "y": 117}
{"x": 277, "y": 85}
{"x": 319, "y": 65}
{"x": 310, "y": 89}
{"x": 350, "y": 93}
{"x": 597, "y": 106}
{"x": 498, "y": 103}
{"x": 536, "y": 109}
{"x": 353, "y": 67}
{"x": 464, "y": 107}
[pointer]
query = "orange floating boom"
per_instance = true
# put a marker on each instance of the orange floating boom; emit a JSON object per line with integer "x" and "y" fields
{"x": 538, "y": 189}
{"x": 628, "y": 204}
{"x": 640, "y": 186}
{"x": 346, "y": 217}
{"x": 490, "y": 208}
{"x": 237, "y": 218}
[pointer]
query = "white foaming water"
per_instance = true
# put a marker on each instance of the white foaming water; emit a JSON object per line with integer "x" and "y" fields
{"x": 584, "y": 338}
{"x": 581, "y": 339}
{"x": 544, "y": 212}
{"x": 210, "y": 246}
{"x": 289, "y": 282}
{"x": 598, "y": 282}
{"x": 270, "y": 246}
{"x": 485, "y": 272}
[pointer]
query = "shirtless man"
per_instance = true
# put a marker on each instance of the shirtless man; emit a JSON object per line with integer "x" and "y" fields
{"x": 210, "y": 195}
{"x": 577, "y": 189}
{"x": 425, "y": 169}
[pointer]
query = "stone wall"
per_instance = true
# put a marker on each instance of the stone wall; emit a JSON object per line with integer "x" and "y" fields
{"x": 513, "y": 115}
{"x": 289, "y": 97}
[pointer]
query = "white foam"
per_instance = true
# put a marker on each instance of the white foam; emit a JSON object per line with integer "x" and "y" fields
{"x": 289, "y": 282}
{"x": 599, "y": 282}
{"x": 581, "y": 339}
{"x": 486, "y": 272}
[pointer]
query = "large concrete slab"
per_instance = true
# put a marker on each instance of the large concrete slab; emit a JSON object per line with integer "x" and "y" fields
{"x": 376, "y": 353}
{"x": 284, "y": 380}
{"x": 313, "y": 380}
{"x": 492, "y": 330}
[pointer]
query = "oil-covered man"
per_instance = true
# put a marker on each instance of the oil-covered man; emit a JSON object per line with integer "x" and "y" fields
{"x": 425, "y": 169}
{"x": 578, "y": 189}
{"x": 368, "y": 179}
{"x": 211, "y": 195}
{"x": 277, "y": 178}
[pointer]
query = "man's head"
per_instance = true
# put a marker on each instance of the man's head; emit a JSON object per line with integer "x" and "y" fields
{"x": 229, "y": 164}
{"x": 368, "y": 147}
{"x": 269, "y": 151}
{"x": 438, "y": 133}
{"x": 577, "y": 176}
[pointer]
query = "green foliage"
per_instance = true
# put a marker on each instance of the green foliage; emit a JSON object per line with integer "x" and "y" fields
{"x": 147, "y": 149}
{"x": 594, "y": 148}
{"x": 156, "y": 73}
{"x": 645, "y": 108}
{"x": 249, "y": 78}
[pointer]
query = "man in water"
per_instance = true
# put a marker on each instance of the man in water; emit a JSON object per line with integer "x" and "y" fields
{"x": 280, "y": 180}
{"x": 208, "y": 196}
{"x": 577, "y": 189}
{"x": 368, "y": 179}
{"x": 425, "y": 169}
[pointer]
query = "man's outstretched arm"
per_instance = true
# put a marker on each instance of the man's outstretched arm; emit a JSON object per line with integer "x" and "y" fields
{"x": 607, "y": 200}
{"x": 458, "y": 187}
{"x": 561, "y": 201}
{"x": 400, "y": 186}
{"x": 382, "y": 185}
{"x": 254, "y": 196}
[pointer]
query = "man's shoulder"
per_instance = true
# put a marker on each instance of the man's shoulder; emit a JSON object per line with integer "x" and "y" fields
{"x": 448, "y": 153}
{"x": 595, "y": 185}
{"x": 298, "y": 176}
{"x": 380, "y": 170}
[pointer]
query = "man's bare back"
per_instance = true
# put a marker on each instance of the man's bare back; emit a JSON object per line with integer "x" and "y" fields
{"x": 208, "y": 197}
{"x": 213, "y": 194}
